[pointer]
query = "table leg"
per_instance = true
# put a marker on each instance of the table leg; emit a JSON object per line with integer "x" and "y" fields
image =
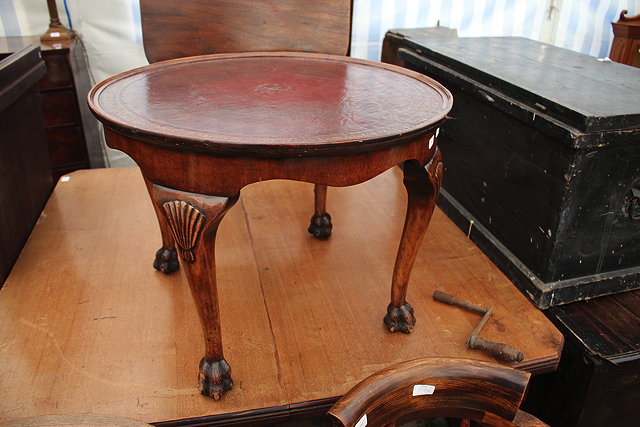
{"x": 193, "y": 220}
{"x": 166, "y": 259}
{"x": 320, "y": 225}
{"x": 423, "y": 186}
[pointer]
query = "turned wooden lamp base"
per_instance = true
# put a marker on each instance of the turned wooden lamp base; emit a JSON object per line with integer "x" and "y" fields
{"x": 56, "y": 31}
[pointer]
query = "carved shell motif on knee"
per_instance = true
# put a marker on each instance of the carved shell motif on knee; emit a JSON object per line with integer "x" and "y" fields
{"x": 186, "y": 222}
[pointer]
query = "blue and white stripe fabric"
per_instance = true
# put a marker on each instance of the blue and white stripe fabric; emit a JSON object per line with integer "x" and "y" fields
{"x": 579, "y": 25}
{"x": 112, "y": 34}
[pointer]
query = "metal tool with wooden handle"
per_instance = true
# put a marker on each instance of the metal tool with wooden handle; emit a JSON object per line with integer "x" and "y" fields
{"x": 500, "y": 351}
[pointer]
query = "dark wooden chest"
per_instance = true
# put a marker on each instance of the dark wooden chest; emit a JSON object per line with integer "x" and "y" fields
{"x": 542, "y": 159}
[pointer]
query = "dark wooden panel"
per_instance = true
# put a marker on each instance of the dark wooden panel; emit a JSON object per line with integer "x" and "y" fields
{"x": 598, "y": 379}
{"x": 545, "y": 77}
{"x": 59, "y": 108}
{"x": 25, "y": 181}
{"x": 597, "y": 233}
{"x": 58, "y": 71}
{"x": 624, "y": 322}
{"x": 596, "y": 335}
{"x": 65, "y": 146}
{"x": 586, "y": 391}
{"x": 90, "y": 128}
{"x": 172, "y": 29}
{"x": 630, "y": 301}
{"x": 395, "y": 40}
{"x": 607, "y": 326}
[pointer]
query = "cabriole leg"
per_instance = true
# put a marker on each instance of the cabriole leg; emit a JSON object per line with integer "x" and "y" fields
{"x": 423, "y": 186}
{"x": 193, "y": 220}
{"x": 166, "y": 259}
{"x": 320, "y": 225}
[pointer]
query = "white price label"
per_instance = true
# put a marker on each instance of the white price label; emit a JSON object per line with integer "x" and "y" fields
{"x": 422, "y": 389}
{"x": 362, "y": 422}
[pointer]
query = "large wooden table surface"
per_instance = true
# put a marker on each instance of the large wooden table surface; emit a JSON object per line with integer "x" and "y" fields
{"x": 87, "y": 326}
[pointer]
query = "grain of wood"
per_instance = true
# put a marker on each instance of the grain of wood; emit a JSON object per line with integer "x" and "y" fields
{"x": 175, "y": 29}
{"x": 87, "y": 325}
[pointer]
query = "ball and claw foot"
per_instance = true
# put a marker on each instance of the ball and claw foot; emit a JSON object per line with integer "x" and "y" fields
{"x": 320, "y": 226}
{"x": 166, "y": 260}
{"x": 214, "y": 378}
{"x": 400, "y": 318}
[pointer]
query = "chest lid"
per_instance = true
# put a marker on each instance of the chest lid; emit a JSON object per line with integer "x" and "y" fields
{"x": 577, "y": 89}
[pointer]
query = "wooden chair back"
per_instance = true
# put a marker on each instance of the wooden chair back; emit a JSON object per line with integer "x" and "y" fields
{"x": 435, "y": 387}
{"x": 173, "y": 29}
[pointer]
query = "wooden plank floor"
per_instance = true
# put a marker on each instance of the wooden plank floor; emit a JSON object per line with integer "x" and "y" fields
{"x": 87, "y": 326}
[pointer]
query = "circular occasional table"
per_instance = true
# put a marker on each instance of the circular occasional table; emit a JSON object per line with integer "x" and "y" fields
{"x": 201, "y": 128}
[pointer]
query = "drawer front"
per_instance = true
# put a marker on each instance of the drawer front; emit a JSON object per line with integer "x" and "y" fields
{"x": 58, "y": 72}
{"x": 66, "y": 146}
{"x": 59, "y": 108}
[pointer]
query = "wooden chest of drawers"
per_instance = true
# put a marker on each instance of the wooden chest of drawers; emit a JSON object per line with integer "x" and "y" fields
{"x": 73, "y": 134}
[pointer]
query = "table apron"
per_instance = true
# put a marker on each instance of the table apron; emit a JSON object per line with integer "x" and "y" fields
{"x": 225, "y": 175}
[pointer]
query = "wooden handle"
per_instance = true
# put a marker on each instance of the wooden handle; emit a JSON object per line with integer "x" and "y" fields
{"x": 444, "y": 297}
{"x": 502, "y": 352}
{"x": 451, "y": 300}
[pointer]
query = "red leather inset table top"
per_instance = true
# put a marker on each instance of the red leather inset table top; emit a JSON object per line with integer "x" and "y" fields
{"x": 287, "y": 100}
